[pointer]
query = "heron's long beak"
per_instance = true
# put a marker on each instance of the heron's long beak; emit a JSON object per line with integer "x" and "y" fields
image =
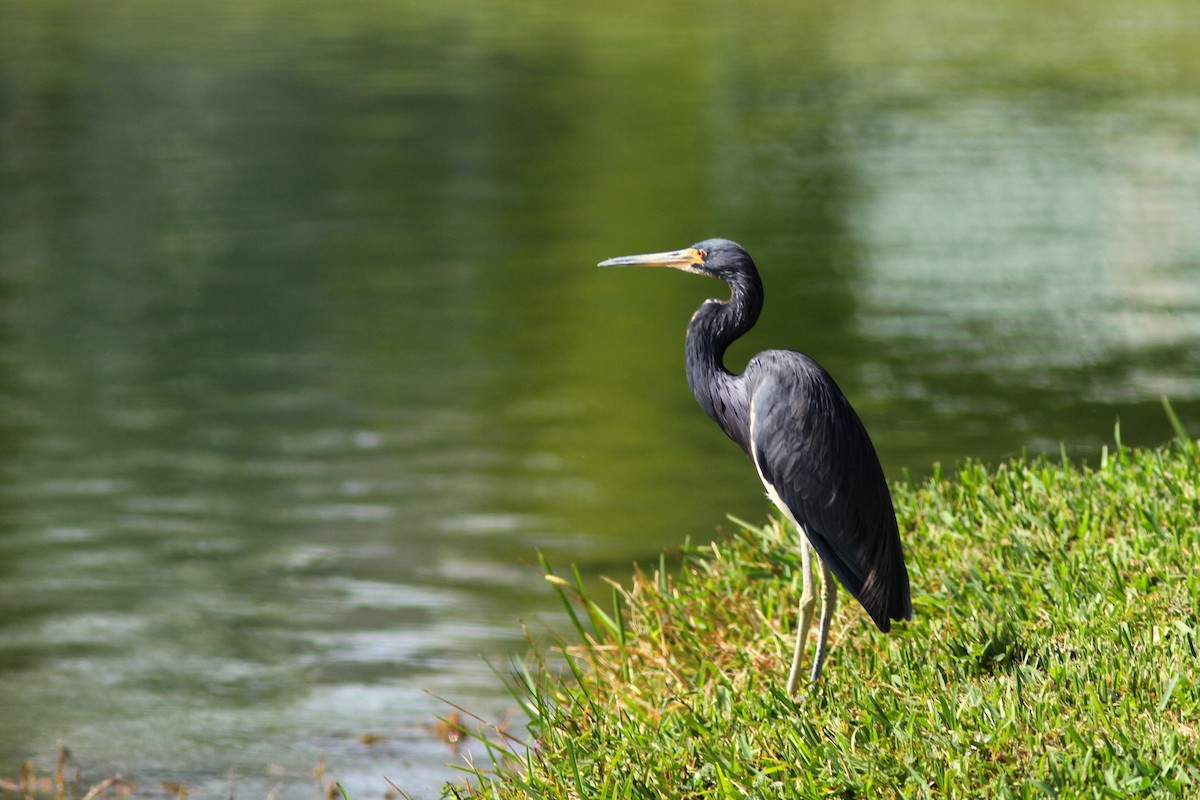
{"x": 676, "y": 259}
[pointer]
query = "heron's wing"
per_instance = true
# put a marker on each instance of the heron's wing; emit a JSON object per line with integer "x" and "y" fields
{"x": 819, "y": 465}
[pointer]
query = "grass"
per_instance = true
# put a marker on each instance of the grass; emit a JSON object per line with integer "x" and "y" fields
{"x": 1053, "y": 653}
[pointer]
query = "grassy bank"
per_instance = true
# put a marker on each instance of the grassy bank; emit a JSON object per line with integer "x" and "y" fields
{"x": 1054, "y": 653}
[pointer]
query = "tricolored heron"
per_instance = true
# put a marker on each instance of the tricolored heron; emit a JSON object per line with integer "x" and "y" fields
{"x": 810, "y": 448}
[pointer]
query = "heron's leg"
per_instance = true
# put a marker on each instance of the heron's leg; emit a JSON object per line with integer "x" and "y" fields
{"x": 807, "y": 600}
{"x": 828, "y": 604}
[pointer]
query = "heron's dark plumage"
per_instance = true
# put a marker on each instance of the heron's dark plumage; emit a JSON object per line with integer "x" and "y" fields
{"x": 809, "y": 446}
{"x": 813, "y": 452}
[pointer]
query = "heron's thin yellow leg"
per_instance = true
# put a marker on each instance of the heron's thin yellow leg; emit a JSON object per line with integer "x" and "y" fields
{"x": 828, "y": 604}
{"x": 807, "y": 601}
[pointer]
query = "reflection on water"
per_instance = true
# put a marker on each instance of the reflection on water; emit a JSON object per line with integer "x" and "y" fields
{"x": 1063, "y": 270}
{"x": 303, "y": 357}
{"x": 1075, "y": 239}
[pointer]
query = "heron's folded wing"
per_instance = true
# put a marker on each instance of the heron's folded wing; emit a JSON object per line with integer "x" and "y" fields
{"x": 815, "y": 456}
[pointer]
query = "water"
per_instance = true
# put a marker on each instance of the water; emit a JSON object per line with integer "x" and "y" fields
{"x": 303, "y": 356}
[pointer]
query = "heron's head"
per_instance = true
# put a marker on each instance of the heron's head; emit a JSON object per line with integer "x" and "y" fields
{"x": 719, "y": 258}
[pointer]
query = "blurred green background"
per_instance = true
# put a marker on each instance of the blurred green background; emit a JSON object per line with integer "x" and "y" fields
{"x": 303, "y": 354}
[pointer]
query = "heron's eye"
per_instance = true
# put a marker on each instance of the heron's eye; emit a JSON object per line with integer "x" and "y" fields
{"x": 703, "y": 254}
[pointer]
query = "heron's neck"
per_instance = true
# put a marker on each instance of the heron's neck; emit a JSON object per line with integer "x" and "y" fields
{"x": 715, "y": 325}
